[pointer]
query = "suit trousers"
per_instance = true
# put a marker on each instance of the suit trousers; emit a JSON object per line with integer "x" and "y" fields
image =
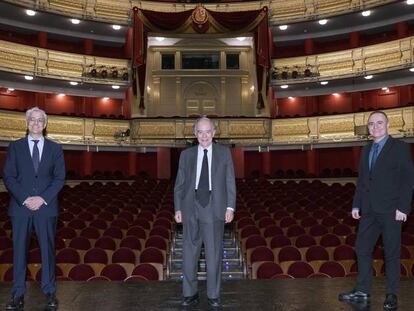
{"x": 371, "y": 226}
{"x": 202, "y": 227}
{"x": 45, "y": 228}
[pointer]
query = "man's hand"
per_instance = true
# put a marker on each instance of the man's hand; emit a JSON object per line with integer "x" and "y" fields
{"x": 34, "y": 203}
{"x": 229, "y": 216}
{"x": 355, "y": 214}
{"x": 400, "y": 216}
{"x": 178, "y": 217}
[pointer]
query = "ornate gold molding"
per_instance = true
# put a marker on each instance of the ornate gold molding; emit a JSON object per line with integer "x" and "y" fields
{"x": 26, "y": 59}
{"x": 287, "y": 11}
{"x": 177, "y": 132}
{"x": 381, "y": 57}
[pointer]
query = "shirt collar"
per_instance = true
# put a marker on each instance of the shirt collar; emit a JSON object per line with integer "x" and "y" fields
{"x": 382, "y": 142}
{"x": 201, "y": 148}
{"x": 40, "y": 139}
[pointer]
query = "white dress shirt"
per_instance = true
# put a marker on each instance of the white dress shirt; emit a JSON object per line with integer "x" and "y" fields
{"x": 200, "y": 155}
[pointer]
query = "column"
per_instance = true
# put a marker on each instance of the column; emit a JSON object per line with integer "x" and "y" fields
{"x": 238, "y": 161}
{"x": 163, "y": 163}
{"x": 309, "y": 46}
{"x": 356, "y": 152}
{"x": 354, "y": 39}
{"x": 266, "y": 163}
{"x": 311, "y": 162}
{"x": 402, "y": 29}
{"x": 42, "y": 39}
{"x": 132, "y": 163}
{"x": 128, "y": 43}
{"x": 87, "y": 163}
{"x": 88, "y": 46}
{"x": 128, "y": 102}
{"x": 356, "y": 101}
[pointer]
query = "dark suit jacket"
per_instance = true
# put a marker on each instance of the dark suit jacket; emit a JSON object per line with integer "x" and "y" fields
{"x": 388, "y": 186}
{"x": 22, "y": 181}
{"x": 223, "y": 192}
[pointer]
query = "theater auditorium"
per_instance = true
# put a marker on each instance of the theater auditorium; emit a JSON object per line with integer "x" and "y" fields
{"x": 290, "y": 86}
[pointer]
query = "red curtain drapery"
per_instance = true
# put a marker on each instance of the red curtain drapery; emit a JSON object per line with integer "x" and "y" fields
{"x": 233, "y": 23}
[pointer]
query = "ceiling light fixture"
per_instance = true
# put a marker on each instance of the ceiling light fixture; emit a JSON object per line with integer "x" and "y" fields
{"x": 366, "y": 13}
{"x": 291, "y": 97}
{"x": 116, "y": 27}
{"x": 384, "y": 88}
{"x": 322, "y": 21}
{"x": 105, "y": 98}
{"x": 368, "y": 77}
{"x": 283, "y": 27}
{"x": 335, "y": 94}
{"x": 73, "y": 83}
{"x": 10, "y": 89}
{"x": 115, "y": 87}
{"x": 324, "y": 82}
{"x": 61, "y": 95}
{"x": 159, "y": 39}
{"x": 284, "y": 86}
{"x": 412, "y": 69}
{"x": 31, "y": 12}
{"x": 241, "y": 38}
{"x": 74, "y": 21}
{"x": 409, "y": 2}
{"x": 28, "y": 78}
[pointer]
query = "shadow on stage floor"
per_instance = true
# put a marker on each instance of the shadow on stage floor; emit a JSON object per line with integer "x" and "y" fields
{"x": 249, "y": 295}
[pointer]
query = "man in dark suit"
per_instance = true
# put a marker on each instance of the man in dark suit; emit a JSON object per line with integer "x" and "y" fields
{"x": 204, "y": 199}
{"x": 34, "y": 173}
{"x": 382, "y": 202}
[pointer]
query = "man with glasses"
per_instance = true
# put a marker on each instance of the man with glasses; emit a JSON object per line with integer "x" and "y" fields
{"x": 382, "y": 202}
{"x": 204, "y": 199}
{"x": 34, "y": 173}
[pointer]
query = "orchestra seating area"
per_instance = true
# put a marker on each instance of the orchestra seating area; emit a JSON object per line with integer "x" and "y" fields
{"x": 123, "y": 231}
{"x": 105, "y": 232}
{"x": 298, "y": 230}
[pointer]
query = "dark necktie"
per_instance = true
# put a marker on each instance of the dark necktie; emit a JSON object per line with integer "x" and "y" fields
{"x": 35, "y": 155}
{"x": 374, "y": 155}
{"x": 203, "y": 190}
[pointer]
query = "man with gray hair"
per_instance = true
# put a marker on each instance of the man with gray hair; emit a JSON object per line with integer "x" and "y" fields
{"x": 34, "y": 173}
{"x": 204, "y": 199}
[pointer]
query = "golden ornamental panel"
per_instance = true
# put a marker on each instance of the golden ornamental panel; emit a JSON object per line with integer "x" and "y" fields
{"x": 290, "y": 127}
{"x": 65, "y": 126}
{"x": 109, "y": 129}
{"x": 155, "y": 130}
{"x": 336, "y": 125}
{"x": 246, "y": 129}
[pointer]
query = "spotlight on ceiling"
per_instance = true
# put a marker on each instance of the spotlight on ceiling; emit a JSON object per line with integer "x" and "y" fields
{"x": 322, "y": 21}
{"x": 31, "y": 12}
{"x": 116, "y": 27}
{"x": 29, "y": 78}
{"x": 324, "y": 82}
{"x": 73, "y": 83}
{"x": 283, "y": 27}
{"x": 74, "y": 21}
{"x": 284, "y": 86}
{"x": 366, "y": 13}
{"x": 368, "y": 77}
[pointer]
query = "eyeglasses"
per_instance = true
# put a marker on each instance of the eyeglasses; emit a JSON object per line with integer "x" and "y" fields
{"x": 39, "y": 121}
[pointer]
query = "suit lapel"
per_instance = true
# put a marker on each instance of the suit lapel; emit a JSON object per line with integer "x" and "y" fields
{"x": 45, "y": 153}
{"x": 214, "y": 161}
{"x": 193, "y": 164}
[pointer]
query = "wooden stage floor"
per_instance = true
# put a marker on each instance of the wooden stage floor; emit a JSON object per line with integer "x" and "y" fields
{"x": 249, "y": 295}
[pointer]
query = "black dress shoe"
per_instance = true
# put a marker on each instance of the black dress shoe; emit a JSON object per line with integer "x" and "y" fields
{"x": 390, "y": 302}
{"x": 52, "y": 303}
{"x": 16, "y": 303}
{"x": 190, "y": 300}
{"x": 213, "y": 302}
{"x": 354, "y": 295}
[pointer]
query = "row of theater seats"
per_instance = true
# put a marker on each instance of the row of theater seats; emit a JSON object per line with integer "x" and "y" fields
{"x": 112, "y": 229}
{"x": 305, "y": 230}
